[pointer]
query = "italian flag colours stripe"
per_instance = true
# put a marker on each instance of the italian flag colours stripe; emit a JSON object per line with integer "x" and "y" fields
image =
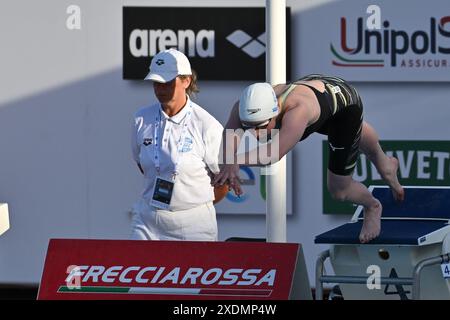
{"x": 158, "y": 290}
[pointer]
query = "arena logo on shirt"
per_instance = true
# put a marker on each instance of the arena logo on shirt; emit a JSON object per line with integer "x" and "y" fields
{"x": 148, "y": 141}
{"x": 421, "y": 163}
{"x": 221, "y": 43}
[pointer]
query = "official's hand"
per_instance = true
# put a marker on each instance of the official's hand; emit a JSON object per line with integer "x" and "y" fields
{"x": 229, "y": 173}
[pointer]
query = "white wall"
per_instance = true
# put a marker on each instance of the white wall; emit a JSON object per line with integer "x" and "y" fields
{"x": 65, "y": 116}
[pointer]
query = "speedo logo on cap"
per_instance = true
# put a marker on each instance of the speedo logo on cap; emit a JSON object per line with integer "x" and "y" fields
{"x": 252, "y": 111}
{"x": 147, "y": 43}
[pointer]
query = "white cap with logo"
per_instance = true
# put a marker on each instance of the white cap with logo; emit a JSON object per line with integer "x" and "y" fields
{"x": 258, "y": 104}
{"x": 167, "y": 65}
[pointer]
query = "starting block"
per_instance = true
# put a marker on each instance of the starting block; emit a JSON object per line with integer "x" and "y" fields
{"x": 408, "y": 260}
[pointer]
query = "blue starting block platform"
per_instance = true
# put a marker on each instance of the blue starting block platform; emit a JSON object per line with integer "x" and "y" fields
{"x": 414, "y": 233}
{"x": 421, "y": 219}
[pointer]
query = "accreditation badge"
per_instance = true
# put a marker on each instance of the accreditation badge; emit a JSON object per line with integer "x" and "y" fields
{"x": 162, "y": 193}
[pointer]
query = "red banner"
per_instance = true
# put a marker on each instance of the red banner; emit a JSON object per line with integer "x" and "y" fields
{"x": 126, "y": 269}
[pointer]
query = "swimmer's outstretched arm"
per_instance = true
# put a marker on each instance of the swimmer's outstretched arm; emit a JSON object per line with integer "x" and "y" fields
{"x": 293, "y": 126}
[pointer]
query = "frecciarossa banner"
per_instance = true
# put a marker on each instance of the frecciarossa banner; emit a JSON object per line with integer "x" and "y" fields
{"x": 363, "y": 40}
{"x": 126, "y": 269}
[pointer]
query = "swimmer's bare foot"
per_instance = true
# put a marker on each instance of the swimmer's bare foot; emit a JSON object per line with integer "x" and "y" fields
{"x": 372, "y": 223}
{"x": 390, "y": 176}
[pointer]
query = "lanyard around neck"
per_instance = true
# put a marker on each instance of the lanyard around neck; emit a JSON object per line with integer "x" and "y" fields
{"x": 157, "y": 148}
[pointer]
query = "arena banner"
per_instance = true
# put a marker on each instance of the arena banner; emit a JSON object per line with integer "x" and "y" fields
{"x": 421, "y": 163}
{"x": 221, "y": 43}
{"x": 363, "y": 40}
{"x": 173, "y": 270}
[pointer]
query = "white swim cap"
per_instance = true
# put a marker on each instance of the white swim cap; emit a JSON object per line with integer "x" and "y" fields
{"x": 258, "y": 104}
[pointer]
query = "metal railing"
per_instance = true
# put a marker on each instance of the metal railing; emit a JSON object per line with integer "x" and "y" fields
{"x": 414, "y": 281}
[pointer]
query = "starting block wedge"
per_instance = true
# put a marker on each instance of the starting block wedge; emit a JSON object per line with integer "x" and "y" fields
{"x": 406, "y": 261}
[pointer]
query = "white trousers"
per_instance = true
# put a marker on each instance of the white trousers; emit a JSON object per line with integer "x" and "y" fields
{"x": 196, "y": 224}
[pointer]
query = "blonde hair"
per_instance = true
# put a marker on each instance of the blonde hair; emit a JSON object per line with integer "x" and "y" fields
{"x": 193, "y": 86}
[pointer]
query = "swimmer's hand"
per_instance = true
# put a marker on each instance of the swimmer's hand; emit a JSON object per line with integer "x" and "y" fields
{"x": 229, "y": 173}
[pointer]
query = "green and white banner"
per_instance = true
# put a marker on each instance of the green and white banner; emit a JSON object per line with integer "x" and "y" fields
{"x": 421, "y": 163}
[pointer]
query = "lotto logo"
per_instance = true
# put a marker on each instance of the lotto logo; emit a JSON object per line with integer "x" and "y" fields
{"x": 253, "y": 47}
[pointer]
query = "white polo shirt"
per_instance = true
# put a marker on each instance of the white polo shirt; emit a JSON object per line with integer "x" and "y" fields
{"x": 200, "y": 151}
